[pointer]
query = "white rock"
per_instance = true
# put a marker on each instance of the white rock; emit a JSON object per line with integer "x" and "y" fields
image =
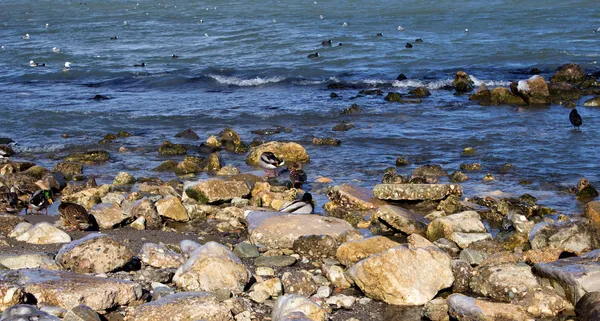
{"x": 289, "y": 304}
{"x": 323, "y": 292}
{"x": 44, "y": 233}
{"x": 342, "y": 301}
{"x": 20, "y": 229}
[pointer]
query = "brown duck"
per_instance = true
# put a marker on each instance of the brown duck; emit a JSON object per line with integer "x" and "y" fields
{"x": 74, "y": 216}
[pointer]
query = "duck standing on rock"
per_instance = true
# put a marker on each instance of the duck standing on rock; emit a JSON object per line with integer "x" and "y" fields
{"x": 9, "y": 200}
{"x": 269, "y": 161}
{"x": 40, "y": 200}
{"x": 575, "y": 118}
{"x": 297, "y": 175}
{"x": 74, "y": 216}
{"x": 302, "y": 206}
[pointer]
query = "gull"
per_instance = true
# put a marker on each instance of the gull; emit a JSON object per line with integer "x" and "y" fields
{"x": 321, "y": 17}
{"x": 466, "y": 31}
{"x": 47, "y": 26}
{"x": 26, "y": 36}
{"x": 67, "y": 67}
{"x": 400, "y": 28}
{"x": 345, "y": 24}
{"x": 125, "y": 23}
{"x": 55, "y": 49}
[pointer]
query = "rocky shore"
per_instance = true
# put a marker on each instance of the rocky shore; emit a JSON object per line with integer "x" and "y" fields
{"x": 411, "y": 248}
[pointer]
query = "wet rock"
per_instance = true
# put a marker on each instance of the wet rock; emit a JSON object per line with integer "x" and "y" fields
{"x": 343, "y": 126}
{"x": 352, "y": 110}
{"x": 503, "y": 96}
{"x": 93, "y": 156}
{"x": 300, "y": 282}
{"x": 470, "y": 167}
{"x": 81, "y": 313}
{"x": 124, "y": 178}
{"x": 166, "y": 166}
{"x": 228, "y": 170}
{"x": 172, "y": 208}
{"x": 212, "y": 267}
{"x": 559, "y": 92}
{"x": 570, "y": 73}
{"x": 231, "y": 140}
{"x": 400, "y": 161}
{"x": 412, "y": 192}
{"x": 350, "y": 253}
{"x": 145, "y": 208}
{"x": 574, "y": 237}
{"x": 28, "y": 261}
{"x": 417, "y": 274}
{"x": 315, "y": 246}
{"x": 585, "y": 190}
{"x": 462, "y": 83}
{"x": 289, "y": 152}
{"x": 463, "y": 273}
{"x": 26, "y": 312}
{"x": 401, "y": 219}
{"x": 429, "y": 170}
{"x": 246, "y": 250}
{"x": 160, "y": 256}
{"x": 504, "y": 282}
{"x": 464, "y": 308}
{"x": 463, "y": 228}
{"x": 170, "y": 149}
{"x": 182, "y": 306}
{"x": 44, "y": 233}
{"x": 217, "y": 191}
{"x": 572, "y": 277}
{"x": 95, "y": 253}
{"x": 354, "y": 197}
{"x": 295, "y": 307}
{"x": 534, "y": 90}
{"x": 188, "y": 133}
{"x": 188, "y": 167}
{"x": 68, "y": 169}
{"x": 452, "y": 204}
{"x": 419, "y": 92}
{"x": 213, "y": 163}
{"x": 588, "y": 307}
{"x": 68, "y": 290}
{"x": 278, "y": 230}
{"x": 326, "y": 141}
{"x": 393, "y": 97}
{"x": 391, "y": 177}
{"x": 592, "y": 102}
{"x": 544, "y": 303}
{"x": 337, "y": 276}
{"x": 109, "y": 215}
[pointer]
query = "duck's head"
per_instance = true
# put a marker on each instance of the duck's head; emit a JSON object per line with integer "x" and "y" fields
{"x": 48, "y": 194}
{"x": 295, "y": 166}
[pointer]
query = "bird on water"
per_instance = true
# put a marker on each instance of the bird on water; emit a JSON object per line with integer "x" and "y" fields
{"x": 575, "y": 118}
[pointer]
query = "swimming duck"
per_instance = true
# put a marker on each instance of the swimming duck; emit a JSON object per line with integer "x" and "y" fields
{"x": 114, "y": 38}
{"x": 143, "y": 64}
{"x": 66, "y": 67}
{"x": 269, "y": 161}
{"x": 326, "y": 43}
{"x": 297, "y": 175}
{"x": 408, "y": 45}
{"x": 40, "y": 200}
{"x": 313, "y": 56}
{"x": 174, "y": 56}
{"x": 419, "y": 40}
{"x": 380, "y": 34}
{"x": 35, "y": 64}
{"x": 302, "y": 206}
{"x": 575, "y": 118}
{"x": 9, "y": 200}
{"x": 26, "y": 36}
{"x": 74, "y": 216}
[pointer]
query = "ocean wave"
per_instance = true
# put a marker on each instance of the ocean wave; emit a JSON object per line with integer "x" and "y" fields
{"x": 235, "y": 81}
{"x": 410, "y": 83}
{"x": 489, "y": 83}
{"x": 39, "y": 149}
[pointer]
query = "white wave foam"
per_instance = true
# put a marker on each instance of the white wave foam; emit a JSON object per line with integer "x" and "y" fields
{"x": 245, "y": 82}
{"x": 436, "y": 84}
{"x": 39, "y": 149}
{"x": 489, "y": 83}
{"x": 308, "y": 82}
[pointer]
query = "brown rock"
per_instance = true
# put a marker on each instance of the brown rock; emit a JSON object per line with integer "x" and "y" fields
{"x": 351, "y": 252}
{"x": 95, "y": 253}
{"x": 217, "y": 191}
{"x": 355, "y": 197}
{"x": 185, "y": 306}
{"x": 289, "y": 152}
{"x": 146, "y": 209}
{"x": 172, "y": 208}
{"x": 300, "y": 282}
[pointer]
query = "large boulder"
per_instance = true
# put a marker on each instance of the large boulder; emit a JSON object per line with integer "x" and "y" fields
{"x": 504, "y": 282}
{"x": 184, "y": 306}
{"x": 404, "y": 276}
{"x": 464, "y": 308}
{"x": 401, "y": 219}
{"x": 462, "y": 83}
{"x": 212, "y": 267}
{"x": 570, "y": 72}
{"x": 534, "y": 90}
{"x": 172, "y": 208}
{"x": 463, "y": 228}
{"x": 213, "y": 191}
{"x": 44, "y": 233}
{"x": 351, "y": 252}
{"x": 349, "y": 196}
{"x": 68, "y": 290}
{"x": 280, "y": 230}
{"x": 289, "y": 152}
{"x": 573, "y": 237}
{"x": 160, "y": 256}
{"x": 295, "y": 307}
{"x": 416, "y": 192}
{"x": 95, "y": 253}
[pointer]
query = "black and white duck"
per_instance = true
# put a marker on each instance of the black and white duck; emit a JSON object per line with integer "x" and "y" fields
{"x": 74, "y": 216}
{"x": 269, "y": 162}
{"x": 304, "y": 205}
{"x": 40, "y": 200}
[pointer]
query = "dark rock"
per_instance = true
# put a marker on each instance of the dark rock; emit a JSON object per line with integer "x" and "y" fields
{"x": 170, "y": 149}
{"x": 371, "y": 92}
{"x": 316, "y": 246}
{"x": 462, "y": 83}
{"x": 452, "y": 204}
{"x": 593, "y": 102}
{"x": 352, "y": 110}
{"x": 336, "y": 86}
{"x": 276, "y": 261}
{"x": 391, "y": 177}
{"x": 429, "y": 170}
{"x": 145, "y": 208}
{"x": 300, "y": 282}
{"x": 401, "y": 77}
{"x": 563, "y": 91}
{"x": 420, "y": 92}
{"x": 334, "y": 95}
{"x": 188, "y": 133}
{"x": 585, "y": 190}
{"x": 571, "y": 73}
{"x": 100, "y": 97}
{"x": 124, "y": 134}
{"x": 92, "y": 156}
{"x": 470, "y": 167}
{"x": 483, "y": 93}
{"x": 246, "y": 250}
{"x": 393, "y": 97}
{"x": 5, "y": 141}
{"x": 503, "y": 96}
{"x": 343, "y": 126}
{"x": 9, "y": 151}
{"x": 326, "y": 141}
{"x": 232, "y": 142}
{"x": 463, "y": 272}
{"x": 402, "y": 161}
{"x": 68, "y": 169}
{"x": 535, "y": 71}
{"x": 458, "y": 177}
{"x": 166, "y": 166}
{"x": 588, "y": 307}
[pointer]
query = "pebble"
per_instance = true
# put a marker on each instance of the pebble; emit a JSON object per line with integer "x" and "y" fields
{"x": 323, "y": 292}
{"x": 265, "y": 271}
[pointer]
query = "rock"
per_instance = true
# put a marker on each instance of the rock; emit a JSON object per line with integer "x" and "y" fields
{"x": 68, "y": 290}
{"x": 172, "y": 209}
{"x": 403, "y": 276}
{"x": 10, "y": 296}
{"x": 354, "y": 109}
{"x": 170, "y": 149}
{"x": 354, "y": 197}
{"x": 412, "y": 192}
{"x": 217, "y": 191}
{"x": 289, "y": 152}
{"x": 462, "y": 83}
{"x": 185, "y": 306}
{"x": 337, "y": 276}
{"x": 231, "y": 141}
{"x": 28, "y": 261}
{"x": 212, "y": 267}
{"x": 290, "y": 307}
{"x": 323, "y": 292}
{"x": 585, "y": 190}
{"x": 278, "y": 230}
{"x": 300, "y": 282}
{"x": 44, "y": 233}
{"x": 109, "y": 216}
{"x": 452, "y": 204}
{"x": 393, "y": 97}
{"x": 124, "y": 178}
{"x": 93, "y": 156}
{"x": 95, "y": 253}
{"x": 545, "y": 303}
{"x": 275, "y": 261}
{"x": 588, "y": 307}
{"x": 463, "y": 228}
{"x": 20, "y": 229}
{"x": 464, "y": 308}
{"x": 160, "y": 256}
{"x": 504, "y": 282}
{"x": 503, "y": 96}
{"x": 188, "y": 133}
{"x": 574, "y": 237}
{"x": 401, "y": 219}
{"x": 166, "y": 166}
{"x": 436, "y": 310}
{"x": 562, "y": 91}
{"x": 326, "y": 141}
{"x": 26, "y": 312}
{"x": 343, "y": 126}
{"x": 139, "y": 224}
{"x": 263, "y": 290}
{"x": 228, "y": 170}
{"x": 429, "y": 171}
{"x": 470, "y": 166}
{"x": 463, "y": 273}
{"x": 342, "y": 301}
{"x": 592, "y": 102}
{"x": 87, "y": 197}
{"x": 188, "y": 247}
{"x": 419, "y": 92}
{"x": 402, "y": 161}
{"x": 81, "y": 313}
{"x": 350, "y": 253}
{"x": 473, "y": 257}
{"x": 213, "y": 163}
{"x": 8, "y": 223}
{"x": 534, "y": 90}
{"x": 68, "y": 169}
{"x": 572, "y": 277}
{"x": 315, "y": 246}
{"x": 246, "y": 250}
{"x": 570, "y": 72}
{"x": 145, "y": 208}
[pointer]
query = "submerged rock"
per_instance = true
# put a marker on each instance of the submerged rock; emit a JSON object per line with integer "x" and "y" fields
{"x": 412, "y": 192}
{"x": 92, "y": 156}
{"x": 354, "y": 109}
{"x": 170, "y": 149}
{"x": 326, "y": 141}
{"x": 95, "y": 253}
{"x": 187, "y": 133}
{"x": 182, "y": 306}
{"x": 343, "y": 126}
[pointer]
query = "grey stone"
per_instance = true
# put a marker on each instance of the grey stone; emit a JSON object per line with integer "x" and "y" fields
{"x": 414, "y": 192}
{"x": 278, "y": 261}
{"x": 246, "y": 250}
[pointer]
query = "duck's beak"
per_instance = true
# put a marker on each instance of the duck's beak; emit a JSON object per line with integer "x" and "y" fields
{"x": 50, "y": 201}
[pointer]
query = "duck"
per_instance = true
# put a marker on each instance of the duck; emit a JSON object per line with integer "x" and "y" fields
{"x": 114, "y": 38}
{"x": 35, "y": 64}
{"x": 419, "y": 40}
{"x": 597, "y": 30}
{"x": 400, "y": 28}
{"x": 174, "y": 56}
{"x": 66, "y": 67}
{"x": 326, "y": 43}
{"x": 9, "y": 200}
{"x": 55, "y": 49}
{"x": 575, "y": 119}
{"x": 379, "y": 34}
{"x": 408, "y": 45}
{"x": 40, "y": 200}
{"x": 297, "y": 175}
{"x": 26, "y": 36}
{"x": 143, "y": 64}
{"x": 4, "y": 154}
{"x": 74, "y": 216}
{"x": 313, "y": 56}
{"x": 302, "y": 206}
{"x": 269, "y": 161}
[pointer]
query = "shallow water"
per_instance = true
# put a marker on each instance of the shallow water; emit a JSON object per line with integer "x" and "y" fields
{"x": 251, "y": 72}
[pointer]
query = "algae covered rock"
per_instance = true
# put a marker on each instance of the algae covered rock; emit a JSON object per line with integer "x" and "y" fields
{"x": 92, "y": 156}
{"x": 289, "y": 152}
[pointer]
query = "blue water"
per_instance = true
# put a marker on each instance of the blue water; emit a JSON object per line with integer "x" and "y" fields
{"x": 244, "y": 64}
